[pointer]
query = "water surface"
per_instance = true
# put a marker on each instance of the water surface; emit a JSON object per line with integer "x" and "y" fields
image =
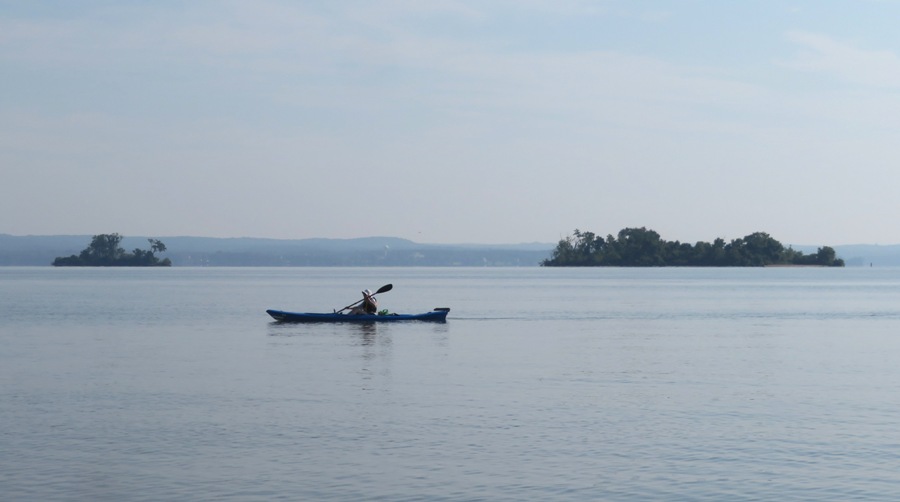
{"x": 544, "y": 384}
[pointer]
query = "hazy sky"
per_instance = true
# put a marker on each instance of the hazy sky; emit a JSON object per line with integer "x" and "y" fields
{"x": 450, "y": 121}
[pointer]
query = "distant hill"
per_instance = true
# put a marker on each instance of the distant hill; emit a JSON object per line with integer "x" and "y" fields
{"x": 248, "y": 252}
{"x": 864, "y": 255}
{"x": 861, "y": 255}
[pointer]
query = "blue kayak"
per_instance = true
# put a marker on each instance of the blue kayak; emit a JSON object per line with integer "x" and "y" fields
{"x": 438, "y": 314}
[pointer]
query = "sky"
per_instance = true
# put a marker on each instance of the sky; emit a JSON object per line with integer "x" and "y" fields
{"x": 451, "y": 121}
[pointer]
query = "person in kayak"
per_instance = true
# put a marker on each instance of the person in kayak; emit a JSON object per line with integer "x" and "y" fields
{"x": 369, "y": 304}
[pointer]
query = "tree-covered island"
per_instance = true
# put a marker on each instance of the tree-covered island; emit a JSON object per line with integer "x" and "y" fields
{"x": 640, "y": 247}
{"x": 104, "y": 251}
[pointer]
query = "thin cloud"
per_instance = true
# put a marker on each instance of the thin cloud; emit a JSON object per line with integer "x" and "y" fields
{"x": 823, "y": 54}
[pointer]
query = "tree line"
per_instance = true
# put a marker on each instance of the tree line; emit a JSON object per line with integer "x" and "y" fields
{"x": 640, "y": 247}
{"x": 104, "y": 251}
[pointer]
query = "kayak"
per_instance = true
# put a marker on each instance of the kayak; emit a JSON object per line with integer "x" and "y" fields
{"x": 438, "y": 314}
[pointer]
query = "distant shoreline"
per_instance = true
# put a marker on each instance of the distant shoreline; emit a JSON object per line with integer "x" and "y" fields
{"x": 370, "y": 251}
{"x": 251, "y": 252}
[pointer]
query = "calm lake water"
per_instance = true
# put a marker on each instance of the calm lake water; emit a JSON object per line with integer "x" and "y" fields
{"x": 544, "y": 384}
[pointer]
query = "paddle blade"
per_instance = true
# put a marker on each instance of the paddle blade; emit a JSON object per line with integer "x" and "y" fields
{"x": 384, "y": 289}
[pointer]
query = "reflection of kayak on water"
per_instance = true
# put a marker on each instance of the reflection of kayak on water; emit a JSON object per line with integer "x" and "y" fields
{"x": 438, "y": 314}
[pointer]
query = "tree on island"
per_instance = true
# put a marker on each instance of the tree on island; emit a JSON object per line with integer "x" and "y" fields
{"x": 640, "y": 247}
{"x": 104, "y": 251}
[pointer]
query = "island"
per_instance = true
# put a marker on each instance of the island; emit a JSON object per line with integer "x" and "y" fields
{"x": 104, "y": 251}
{"x": 640, "y": 247}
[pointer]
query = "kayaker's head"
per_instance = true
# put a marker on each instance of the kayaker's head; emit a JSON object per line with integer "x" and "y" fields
{"x": 366, "y": 292}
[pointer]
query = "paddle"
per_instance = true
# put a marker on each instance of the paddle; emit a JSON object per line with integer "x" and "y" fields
{"x": 382, "y": 289}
